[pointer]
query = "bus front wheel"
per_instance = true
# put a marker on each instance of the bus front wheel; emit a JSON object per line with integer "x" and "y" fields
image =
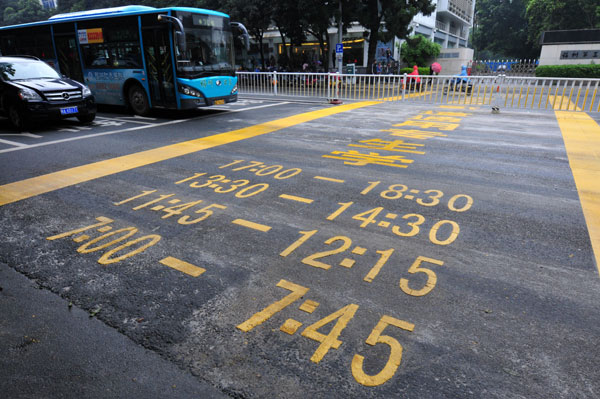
{"x": 138, "y": 100}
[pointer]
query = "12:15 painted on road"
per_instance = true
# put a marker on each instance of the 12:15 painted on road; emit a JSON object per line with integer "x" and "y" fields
{"x": 315, "y": 260}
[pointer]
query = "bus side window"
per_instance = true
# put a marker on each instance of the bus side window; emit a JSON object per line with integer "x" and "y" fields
{"x": 119, "y": 47}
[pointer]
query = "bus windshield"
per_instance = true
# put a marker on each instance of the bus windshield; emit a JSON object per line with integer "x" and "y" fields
{"x": 209, "y": 46}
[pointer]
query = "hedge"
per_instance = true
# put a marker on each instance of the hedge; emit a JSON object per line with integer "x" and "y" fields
{"x": 568, "y": 71}
{"x": 422, "y": 71}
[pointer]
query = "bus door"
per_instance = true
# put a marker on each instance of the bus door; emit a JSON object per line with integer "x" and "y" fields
{"x": 157, "y": 50}
{"x": 68, "y": 56}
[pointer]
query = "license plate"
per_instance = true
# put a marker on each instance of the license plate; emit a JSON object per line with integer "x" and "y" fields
{"x": 68, "y": 110}
{"x": 219, "y": 102}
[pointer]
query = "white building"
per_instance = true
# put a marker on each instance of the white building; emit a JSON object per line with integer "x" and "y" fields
{"x": 449, "y": 25}
{"x": 48, "y": 4}
{"x": 570, "y": 47}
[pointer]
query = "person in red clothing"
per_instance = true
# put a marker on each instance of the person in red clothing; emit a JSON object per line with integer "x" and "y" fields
{"x": 414, "y": 81}
{"x": 415, "y": 72}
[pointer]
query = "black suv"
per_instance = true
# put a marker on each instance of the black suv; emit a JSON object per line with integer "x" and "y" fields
{"x": 31, "y": 89}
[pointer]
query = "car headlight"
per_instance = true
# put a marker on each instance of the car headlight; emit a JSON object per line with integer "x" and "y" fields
{"x": 29, "y": 95}
{"x": 189, "y": 91}
{"x": 235, "y": 89}
{"x": 86, "y": 92}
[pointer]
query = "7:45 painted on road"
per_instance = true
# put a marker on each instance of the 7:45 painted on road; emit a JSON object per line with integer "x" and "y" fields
{"x": 330, "y": 340}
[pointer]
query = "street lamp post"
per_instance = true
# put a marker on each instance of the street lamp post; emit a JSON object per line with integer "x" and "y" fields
{"x": 340, "y": 40}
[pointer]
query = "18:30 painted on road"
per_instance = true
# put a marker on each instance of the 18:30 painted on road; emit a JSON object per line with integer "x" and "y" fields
{"x": 457, "y": 203}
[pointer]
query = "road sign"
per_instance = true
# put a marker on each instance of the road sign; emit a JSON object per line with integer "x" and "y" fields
{"x": 339, "y": 48}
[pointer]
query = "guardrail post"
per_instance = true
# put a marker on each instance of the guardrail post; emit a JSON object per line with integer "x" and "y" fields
{"x": 337, "y": 82}
{"x": 496, "y": 84}
{"x": 404, "y": 82}
{"x": 275, "y": 82}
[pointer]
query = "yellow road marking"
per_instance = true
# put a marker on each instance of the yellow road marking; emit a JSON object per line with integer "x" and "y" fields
{"x": 252, "y": 225}
{"x": 409, "y": 95}
{"x": 81, "y": 238}
{"x": 182, "y": 266}
{"x": 452, "y": 106}
{"x": 290, "y": 326}
{"x": 23, "y": 189}
{"x": 582, "y": 142}
{"x": 331, "y": 179}
{"x": 568, "y": 104}
{"x": 295, "y": 198}
{"x": 309, "y": 306}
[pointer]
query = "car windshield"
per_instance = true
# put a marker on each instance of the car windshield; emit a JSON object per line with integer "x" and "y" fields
{"x": 26, "y": 70}
{"x": 209, "y": 46}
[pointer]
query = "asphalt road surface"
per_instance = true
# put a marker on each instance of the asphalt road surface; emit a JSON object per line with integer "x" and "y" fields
{"x": 285, "y": 249}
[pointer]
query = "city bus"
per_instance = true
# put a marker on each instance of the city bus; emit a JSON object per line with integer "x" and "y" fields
{"x": 138, "y": 56}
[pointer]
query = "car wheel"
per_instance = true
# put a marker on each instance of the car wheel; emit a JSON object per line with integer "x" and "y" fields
{"x": 88, "y": 118}
{"x": 138, "y": 100}
{"x": 16, "y": 118}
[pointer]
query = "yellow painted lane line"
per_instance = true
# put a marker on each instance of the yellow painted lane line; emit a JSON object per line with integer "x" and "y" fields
{"x": 409, "y": 95}
{"x": 295, "y": 198}
{"x": 183, "y": 266}
{"x": 582, "y": 142}
{"x": 23, "y": 189}
{"x": 452, "y": 106}
{"x": 251, "y": 225}
{"x": 331, "y": 179}
{"x": 563, "y": 103}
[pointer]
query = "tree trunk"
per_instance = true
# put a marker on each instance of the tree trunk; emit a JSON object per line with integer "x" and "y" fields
{"x": 262, "y": 51}
{"x": 373, "y": 38}
{"x": 324, "y": 51}
{"x": 323, "y": 45}
{"x": 285, "y": 51}
{"x": 373, "y": 35}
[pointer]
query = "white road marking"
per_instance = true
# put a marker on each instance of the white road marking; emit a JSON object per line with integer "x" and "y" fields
{"x": 127, "y": 120}
{"x": 247, "y": 109}
{"x": 13, "y": 143}
{"x": 24, "y": 134}
{"x": 138, "y": 117}
{"x": 131, "y": 129}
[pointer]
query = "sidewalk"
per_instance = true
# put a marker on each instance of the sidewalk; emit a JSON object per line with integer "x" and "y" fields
{"x": 48, "y": 350}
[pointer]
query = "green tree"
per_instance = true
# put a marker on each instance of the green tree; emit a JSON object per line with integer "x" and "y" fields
{"x": 317, "y": 17}
{"x": 82, "y": 5}
{"x": 397, "y": 15}
{"x": 544, "y": 15}
{"x": 3, "y": 5}
{"x": 65, "y": 6}
{"x": 419, "y": 50}
{"x": 24, "y": 11}
{"x": 256, "y": 15}
{"x": 286, "y": 18}
{"x": 501, "y": 29}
